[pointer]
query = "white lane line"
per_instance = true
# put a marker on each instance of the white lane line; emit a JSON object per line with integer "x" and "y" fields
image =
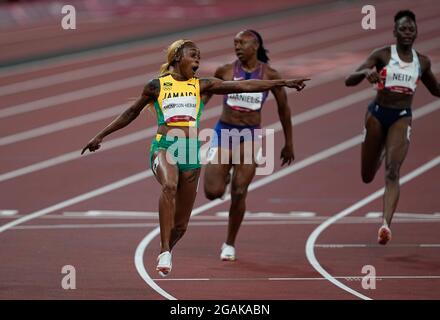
{"x": 310, "y": 245}
{"x": 271, "y": 215}
{"x": 140, "y": 250}
{"x": 405, "y": 215}
{"x": 155, "y": 214}
{"x": 139, "y": 263}
{"x": 60, "y": 99}
{"x": 221, "y": 224}
{"x": 63, "y": 125}
{"x": 73, "y": 155}
{"x": 150, "y": 224}
{"x": 347, "y": 278}
{"x": 8, "y": 213}
{"x": 408, "y": 215}
{"x": 86, "y": 226}
{"x": 111, "y": 213}
{"x": 369, "y": 245}
{"x": 269, "y": 220}
{"x": 89, "y": 195}
{"x": 133, "y": 81}
{"x": 154, "y": 224}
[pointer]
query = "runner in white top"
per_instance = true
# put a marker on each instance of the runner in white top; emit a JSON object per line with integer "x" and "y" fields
{"x": 398, "y": 69}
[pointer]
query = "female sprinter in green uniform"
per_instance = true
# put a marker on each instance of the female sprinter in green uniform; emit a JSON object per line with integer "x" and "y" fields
{"x": 174, "y": 156}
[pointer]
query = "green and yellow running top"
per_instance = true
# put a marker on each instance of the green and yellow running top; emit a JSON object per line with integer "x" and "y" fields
{"x": 179, "y": 103}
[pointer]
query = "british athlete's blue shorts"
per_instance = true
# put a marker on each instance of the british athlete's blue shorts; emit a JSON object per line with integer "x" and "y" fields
{"x": 388, "y": 116}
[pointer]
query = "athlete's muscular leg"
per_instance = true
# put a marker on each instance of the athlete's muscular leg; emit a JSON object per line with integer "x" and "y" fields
{"x": 243, "y": 174}
{"x": 372, "y": 147}
{"x": 185, "y": 197}
{"x": 168, "y": 176}
{"x": 241, "y": 178}
{"x": 217, "y": 174}
{"x": 397, "y": 144}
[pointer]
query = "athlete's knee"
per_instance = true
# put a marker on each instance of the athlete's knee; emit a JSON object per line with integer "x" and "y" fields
{"x": 239, "y": 192}
{"x": 213, "y": 193}
{"x": 169, "y": 188}
{"x": 392, "y": 172}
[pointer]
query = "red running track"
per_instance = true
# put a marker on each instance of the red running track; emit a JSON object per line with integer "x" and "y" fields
{"x": 50, "y": 228}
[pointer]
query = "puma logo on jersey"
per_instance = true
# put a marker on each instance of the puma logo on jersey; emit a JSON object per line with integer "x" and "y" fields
{"x": 403, "y": 113}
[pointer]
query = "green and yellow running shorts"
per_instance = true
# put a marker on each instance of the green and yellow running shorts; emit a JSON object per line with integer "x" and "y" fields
{"x": 184, "y": 151}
